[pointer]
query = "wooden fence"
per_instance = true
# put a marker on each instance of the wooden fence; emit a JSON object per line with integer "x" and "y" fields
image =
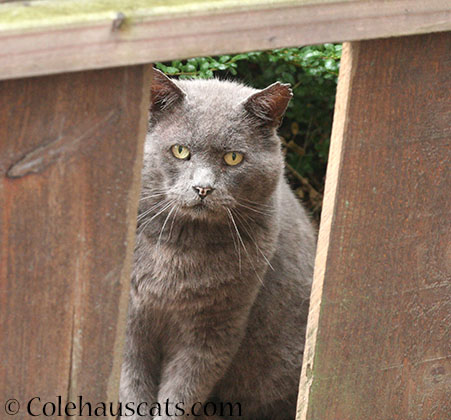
{"x": 73, "y": 111}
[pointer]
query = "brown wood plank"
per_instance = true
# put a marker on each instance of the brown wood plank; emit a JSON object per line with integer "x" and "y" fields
{"x": 46, "y": 37}
{"x": 70, "y": 160}
{"x": 378, "y": 339}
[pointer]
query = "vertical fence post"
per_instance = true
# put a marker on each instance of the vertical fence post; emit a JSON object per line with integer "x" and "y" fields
{"x": 378, "y": 334}
{"x": 70, "y": 161}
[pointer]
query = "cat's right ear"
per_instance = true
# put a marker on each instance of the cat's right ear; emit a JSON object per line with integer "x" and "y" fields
{"x": 164, "y": 93}
{"x": 269, "y": 104}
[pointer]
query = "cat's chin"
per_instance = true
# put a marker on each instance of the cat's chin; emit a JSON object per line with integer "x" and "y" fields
{"x": 201, "y": 211}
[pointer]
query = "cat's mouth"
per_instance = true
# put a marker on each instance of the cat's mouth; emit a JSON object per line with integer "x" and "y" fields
{"x": 200, "y": 206}
{"x": 200, "y": 209}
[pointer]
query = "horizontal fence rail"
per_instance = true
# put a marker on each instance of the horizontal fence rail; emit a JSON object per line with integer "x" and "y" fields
{"x": 50, "y": 36}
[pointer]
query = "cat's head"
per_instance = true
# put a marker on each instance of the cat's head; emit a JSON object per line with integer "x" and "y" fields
{"x": 212, "y": 145}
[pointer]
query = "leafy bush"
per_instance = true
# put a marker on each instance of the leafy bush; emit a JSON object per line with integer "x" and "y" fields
{"x": 312, "y": 72}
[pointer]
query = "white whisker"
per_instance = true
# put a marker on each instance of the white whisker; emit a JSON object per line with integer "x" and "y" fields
{"x": 256, "y": 203}
{"x": 146, "y": 223}
{"x": 173, "y": 220}
{"x": 235, "y": 244}
{"x": 150, "y": 210}
{"x": 146, "y": 197}
{"x": 244, "y": 246}
{"x": 263, "y": 212}
{"x": 253, "y": 239}
{"x": 164, "y": 224}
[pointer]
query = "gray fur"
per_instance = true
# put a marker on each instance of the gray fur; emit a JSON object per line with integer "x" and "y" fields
{"x": 209, "y": 317}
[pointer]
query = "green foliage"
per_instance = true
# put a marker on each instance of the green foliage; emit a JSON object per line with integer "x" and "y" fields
{"x": 312, "y": 72}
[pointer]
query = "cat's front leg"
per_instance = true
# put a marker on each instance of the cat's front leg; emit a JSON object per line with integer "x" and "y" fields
{"x": 138, "y": 388}
{"x": 140, "y": 369}
{"x": 203, "y": 354}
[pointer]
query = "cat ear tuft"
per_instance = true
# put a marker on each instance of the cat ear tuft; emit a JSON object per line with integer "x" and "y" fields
{"x": 164, "y": 92}
{"x": 270, "y": 104}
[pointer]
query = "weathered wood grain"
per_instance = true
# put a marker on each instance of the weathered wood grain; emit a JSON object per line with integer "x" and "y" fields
{"x": 70, "y": 160}
{"x": 50, "y": 36}
{"x": 378, "y": 340}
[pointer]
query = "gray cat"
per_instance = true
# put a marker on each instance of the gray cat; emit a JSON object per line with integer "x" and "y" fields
{"x": 223, "y": 259}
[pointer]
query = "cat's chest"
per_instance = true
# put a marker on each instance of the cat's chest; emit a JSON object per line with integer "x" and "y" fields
{"x": 199, "y": 263}
{"x": 196, "y": 270}
{"x": 180, "y": 262}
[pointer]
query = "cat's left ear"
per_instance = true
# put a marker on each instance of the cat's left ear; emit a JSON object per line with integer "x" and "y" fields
{"x": 164, "y": 92}
{"x": 270, "y": 104}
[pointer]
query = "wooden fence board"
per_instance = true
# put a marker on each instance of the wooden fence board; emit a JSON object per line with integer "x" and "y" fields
{"x": 70, "y": 161}
{"x": 378, "y": 339}
{"x": 50, "y": 36}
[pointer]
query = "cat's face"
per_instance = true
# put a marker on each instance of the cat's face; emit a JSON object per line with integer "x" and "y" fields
{"x": 210, "y": 148}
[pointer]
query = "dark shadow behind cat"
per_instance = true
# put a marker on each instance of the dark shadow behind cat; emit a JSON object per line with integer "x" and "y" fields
{"x": 224, "y": 255}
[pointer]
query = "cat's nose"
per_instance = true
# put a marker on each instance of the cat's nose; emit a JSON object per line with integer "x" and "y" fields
{"x": 203, "y": 191}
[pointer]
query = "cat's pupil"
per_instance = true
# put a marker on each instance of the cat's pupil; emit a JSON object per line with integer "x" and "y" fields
{"x": 233, "y": 156}
{"x": 180, "y": 149}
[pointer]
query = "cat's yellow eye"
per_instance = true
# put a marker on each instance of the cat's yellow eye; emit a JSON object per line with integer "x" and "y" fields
{"x": 233, "y": 158}
{"x": 180, "y": 152}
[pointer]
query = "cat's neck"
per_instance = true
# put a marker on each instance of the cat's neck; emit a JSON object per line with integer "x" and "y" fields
{"x": 183, "y": 232}
{"x": 200, "y": 256}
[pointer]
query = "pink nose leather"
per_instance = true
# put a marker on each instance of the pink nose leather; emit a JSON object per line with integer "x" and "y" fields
{"x": 203, "y": 191}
